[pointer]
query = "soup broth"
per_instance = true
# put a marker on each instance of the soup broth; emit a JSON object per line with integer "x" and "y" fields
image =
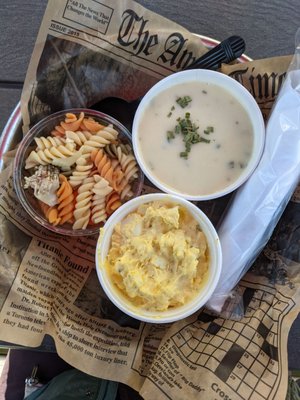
{"x": 218, "y": 147}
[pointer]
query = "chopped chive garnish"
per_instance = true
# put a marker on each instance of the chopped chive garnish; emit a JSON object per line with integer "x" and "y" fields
{"x": 202, "y": 139}
{"x": 183, "y": 101}
{"x": 184, "y": 154}
{"x": 170, "y": 135}
{"x": 189, "y": 132}
{"x": 208, "y": 130}
{"x": 170, "y": 112}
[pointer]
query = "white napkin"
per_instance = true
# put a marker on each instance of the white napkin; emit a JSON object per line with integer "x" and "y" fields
{"x": 259, "y": 203}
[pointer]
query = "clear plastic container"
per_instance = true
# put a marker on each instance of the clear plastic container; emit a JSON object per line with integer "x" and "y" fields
{"x": 44, "y": 128}
{"x": 171, "y": 314}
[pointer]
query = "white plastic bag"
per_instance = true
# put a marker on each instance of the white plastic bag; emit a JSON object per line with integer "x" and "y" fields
{"x": 260, "y": 202}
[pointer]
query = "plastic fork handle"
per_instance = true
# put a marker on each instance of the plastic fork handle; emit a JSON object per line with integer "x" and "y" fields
{"x": 225, "y": 52}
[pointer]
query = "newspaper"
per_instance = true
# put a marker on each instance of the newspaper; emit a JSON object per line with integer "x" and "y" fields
{"x": 262, "y": 78}
{"x": 87, "y": 50}
{"x": 49, "y": 283}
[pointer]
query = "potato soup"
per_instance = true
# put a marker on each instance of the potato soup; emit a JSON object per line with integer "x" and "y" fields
{"x": 195, "y": 138}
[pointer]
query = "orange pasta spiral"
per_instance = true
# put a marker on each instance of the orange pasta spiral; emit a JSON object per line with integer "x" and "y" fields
{"x": 91, "y": 125}
{"x": 51, "y": 213}
{"x": 71, "y": 123}
{"x": 58, "y": 131}
{"x": 104, "y": 166}
{"x": 65, "y": 200}
{"x": 113, "y": 202}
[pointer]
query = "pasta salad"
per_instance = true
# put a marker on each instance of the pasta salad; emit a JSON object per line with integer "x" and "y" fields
{"x": 81, "y": 172}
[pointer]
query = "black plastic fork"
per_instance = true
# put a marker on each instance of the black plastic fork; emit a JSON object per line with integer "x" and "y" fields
{"x": 225, "y": 52}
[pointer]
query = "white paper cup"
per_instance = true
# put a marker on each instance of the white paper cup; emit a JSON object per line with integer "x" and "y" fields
{"x": 238, "y": 92}
{"x": 173, "y": 314}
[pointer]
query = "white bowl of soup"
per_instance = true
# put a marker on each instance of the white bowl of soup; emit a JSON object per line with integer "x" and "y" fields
{"x": 198, "y": 134}
{"x": 158, "y": 258}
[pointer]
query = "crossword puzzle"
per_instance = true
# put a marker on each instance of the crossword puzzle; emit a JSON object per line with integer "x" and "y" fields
{"x": 243, "y": 354}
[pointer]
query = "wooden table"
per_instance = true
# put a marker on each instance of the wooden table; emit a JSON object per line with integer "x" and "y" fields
{"x": 268, "y": 27}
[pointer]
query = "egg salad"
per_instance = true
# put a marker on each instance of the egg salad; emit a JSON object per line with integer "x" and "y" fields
{"x": 158, "y": 256}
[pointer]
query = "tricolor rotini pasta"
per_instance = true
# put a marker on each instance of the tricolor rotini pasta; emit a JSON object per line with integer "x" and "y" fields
{"x": 79, "y": 137}
{"x": 112, "y": 149}
{"x": 47, "y": 142}
{"x": 83, "y": 204}
{"x": 100, "y": 139}
{"x": 65, "y": 199}
{"x": 113, "y": 202}
{"x": 49, "y": 154}
{"x": 128, "y": 164}
{"x": 82, "y": 170}
{"x": 104, "y": 166}
{"x": 94, "y": 168}
{"x": 101, "y": 189}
